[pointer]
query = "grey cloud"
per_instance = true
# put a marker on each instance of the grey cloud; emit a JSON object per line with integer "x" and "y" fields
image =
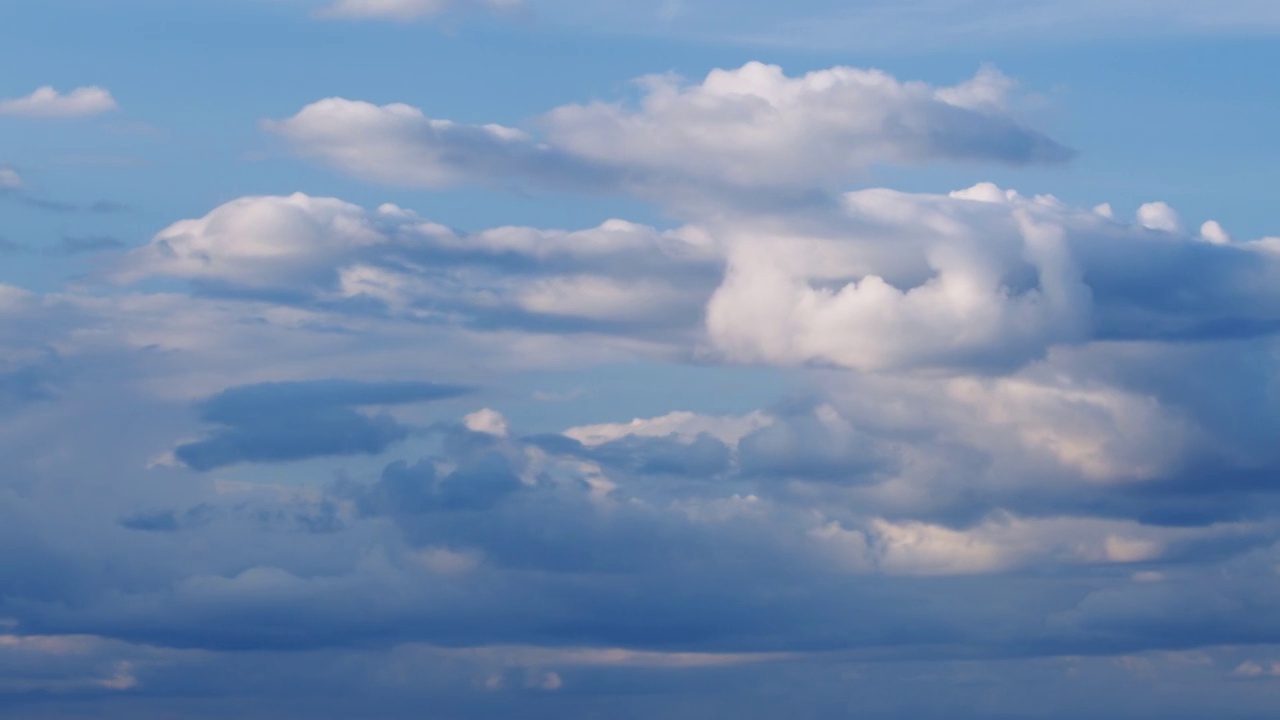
{"x": 279, "y": 422}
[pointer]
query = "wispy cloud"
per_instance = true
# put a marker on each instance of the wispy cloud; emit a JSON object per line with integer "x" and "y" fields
{"x": 404, "y": 10}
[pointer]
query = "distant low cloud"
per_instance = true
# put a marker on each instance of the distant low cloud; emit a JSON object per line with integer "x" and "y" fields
{"x": 404, "y": 10}
{"x": 9, "y": 178}
{"x": 49, "y": 103}
{"x": 278, "y": 422}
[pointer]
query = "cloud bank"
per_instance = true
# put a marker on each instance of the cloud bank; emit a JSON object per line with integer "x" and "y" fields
{"x": 1016, "y": 448}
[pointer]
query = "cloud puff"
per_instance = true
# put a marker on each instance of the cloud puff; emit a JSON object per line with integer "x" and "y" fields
{"x": 49, "y": 103}
{"x": 278, "y": 422}
{"x": 403, "y": 10}
{"x": 753, "y": 127}
{"x": 9, "y": 178}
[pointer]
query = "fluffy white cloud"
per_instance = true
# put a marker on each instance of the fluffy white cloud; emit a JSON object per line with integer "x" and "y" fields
{"x": 752, "y": 127}
{"x": 1159, "y": 216}
{"x": 258, "y": 242}
{"x": 49, "y": 103}
{"x": 982, "y": 277}
{"x": 403, "y": 10}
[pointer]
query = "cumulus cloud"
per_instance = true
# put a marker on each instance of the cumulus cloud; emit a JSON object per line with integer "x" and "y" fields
{"x": 751, "y": 127}
{"x": 404, "y": 10}
{"x": 979, "y": 278}
{"x": 46, "y": 102}
{"x": 1012, "y": 429}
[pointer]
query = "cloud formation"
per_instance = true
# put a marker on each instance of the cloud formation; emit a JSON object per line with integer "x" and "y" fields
{"x": 46, "y": 102}
{"x": 322, "y": 251}
{"x": 291, "y": 453}
{"x": 981, "y": 277}
{"x": 9, "y": 178}
{"x": 405, "y": 10}
{"x": 278, "y": 422}
{"x": 748, "y": 128}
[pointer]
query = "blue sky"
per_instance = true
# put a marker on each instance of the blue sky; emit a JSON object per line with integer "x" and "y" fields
{"x": 645, "y": 359}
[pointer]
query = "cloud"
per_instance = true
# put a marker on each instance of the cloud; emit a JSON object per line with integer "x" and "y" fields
{"x": 399, "y": 145}
{"x": 755, "y": 126}
{"x": 49, "y": 103}
{"x": 979, "y": 278}
{"x": 1003, "y": 437}
{"x": 405, "y": 10}
{"x": 9, "y": 178}
{"x": 616, "y": 277}
{"x": 279, "y": 422}
{"x": 751, "y": 127}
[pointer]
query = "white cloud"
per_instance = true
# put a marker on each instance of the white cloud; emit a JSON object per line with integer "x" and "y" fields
{"x": 1101, "y": 433}
{"x": 980, "y": 278}
{"x": 487, "y": 421}
{"x": 1213, "y": 232}
{"x": 1159, "y": 216}
{"x": 404, "y": 10}
{"x": 9, "y": 178}
{"x": 324, "y": 250}
{"x": 999, "y": 544}
{"x": 399, "y": 145}
{"x": 751, "y": 127}
{"x": 682, "y": 424}
{"x": 258, "y": 242}
{"x": 886, "y": 296}
{"x": 49, "y": 103}
{"x": 755, "y": 126}
{"x": 1253, "y": 670}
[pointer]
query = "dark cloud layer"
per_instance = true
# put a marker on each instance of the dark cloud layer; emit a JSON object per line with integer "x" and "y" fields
{"x": 277, "y": 422}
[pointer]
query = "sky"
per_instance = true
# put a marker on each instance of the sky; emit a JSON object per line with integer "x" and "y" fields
{"x": 478, "y": 359}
